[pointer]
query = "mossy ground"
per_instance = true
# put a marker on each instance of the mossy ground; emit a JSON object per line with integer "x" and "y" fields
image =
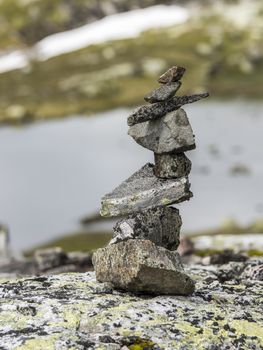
{"x": 100, "y": 77}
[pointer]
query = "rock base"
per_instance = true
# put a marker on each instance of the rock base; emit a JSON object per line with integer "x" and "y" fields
{"x": 140, "y": 266}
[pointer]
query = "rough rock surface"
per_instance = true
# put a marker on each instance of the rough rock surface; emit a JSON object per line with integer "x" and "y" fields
{"x": 175, "y": 73}
{"x": 163, "y": 93}
{"x": 160, "y": 225}
{"x": 159, "y": 109}
{"x": 143, "y": 190}
{"x": 142, "y": 266}
{"x": 173, "y": 133}
{"x": 73, "y": 311}
{"x": 171, "y": 165}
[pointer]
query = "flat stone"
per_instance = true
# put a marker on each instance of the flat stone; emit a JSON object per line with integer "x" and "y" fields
{"x": 141, "y": 266}
{"x": 175, "y": 73}
{"x": 163, "y": 93}
{"x": 159, "y": 109}
{"x": 171, "y": 165}
{"x": 143, "y": 190}
{"x": 173, "y": 133}
{"x": 160, "y": 225}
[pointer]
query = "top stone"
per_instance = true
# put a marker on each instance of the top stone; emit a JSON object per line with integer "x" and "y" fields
{"x": 173, "y": 74}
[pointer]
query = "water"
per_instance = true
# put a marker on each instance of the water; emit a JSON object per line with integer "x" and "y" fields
{"x": 54, "y": 173}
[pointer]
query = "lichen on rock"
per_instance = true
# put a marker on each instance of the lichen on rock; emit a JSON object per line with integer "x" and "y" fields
{"x": 73, "y": 311}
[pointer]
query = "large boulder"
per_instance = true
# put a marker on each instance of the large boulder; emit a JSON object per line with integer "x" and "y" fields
{"x": 141, "y": 266}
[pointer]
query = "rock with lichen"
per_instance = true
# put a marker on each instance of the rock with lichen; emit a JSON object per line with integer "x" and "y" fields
{"x": 73, "y": 311}
{"x": 143, "y": 190}
{"x": 142, "y": 266}
{"x": 160, "y": 225}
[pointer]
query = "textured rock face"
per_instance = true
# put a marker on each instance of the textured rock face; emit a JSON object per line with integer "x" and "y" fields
{"x": 141, "y": 266}
{"x": 73, "y": 311}
{"x": 143, "y": 190}
{"x": 163, "y": 93}
{"x": 158, "y": 110}
{"x": 175, "y": 73}
{"x": 171, "y": 165}
{"x": 160, "y": 225}
{"x": 173, "y": 133}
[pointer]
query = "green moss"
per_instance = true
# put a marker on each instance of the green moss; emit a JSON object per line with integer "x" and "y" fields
{"x": 79, "y": 241}
{"x": 119, "y": 73}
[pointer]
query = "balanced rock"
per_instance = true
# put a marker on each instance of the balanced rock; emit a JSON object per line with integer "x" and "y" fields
{"x": 163, "y": 93}
{"x": 175, "y": 73}
{"x": 159, "y": 109}
{"x": 143, "y": 190}
{"x": 173, "y": 133}
{"x": 171, "y": 165}
{"x": 160, "y": 225}
{"x": 141, "y": 266}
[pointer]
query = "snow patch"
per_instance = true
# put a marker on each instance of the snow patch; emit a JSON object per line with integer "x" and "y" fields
{"x": 114, "y": 27}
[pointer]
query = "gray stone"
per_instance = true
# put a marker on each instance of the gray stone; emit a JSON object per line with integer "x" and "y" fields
{"x": 141, "y": 266}
{"x": 173, "y": 133}
{"x": 159, "y": 109}
{"x": 74, "y": 311}
{"x": 143, "y": 190}
{"x": 163, "y": 93}
{"x": 171, "y": 165}
{"x": 160, "y": 225}
{"x": 49, "y": 258}
{"x": 175, "y": 73}
{"x": 5, "y": 252}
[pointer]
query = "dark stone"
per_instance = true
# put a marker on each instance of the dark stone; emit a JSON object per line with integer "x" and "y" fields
{"x": 163, "y": 93}
{"x": 171, "y": 165}
{"x": 160, "y": 225}
{"x": 159, "y": 109}
{"x": 173, "y": 74}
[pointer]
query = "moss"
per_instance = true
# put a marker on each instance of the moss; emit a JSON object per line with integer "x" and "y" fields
{"x": 78, "y": 241}
{"x": 92, "y": 80}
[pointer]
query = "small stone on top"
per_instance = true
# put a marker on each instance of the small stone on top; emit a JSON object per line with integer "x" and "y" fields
{"x": 173, "y": 74}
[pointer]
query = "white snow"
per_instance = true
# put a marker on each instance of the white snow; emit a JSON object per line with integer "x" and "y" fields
{"x": 119, "y": 26}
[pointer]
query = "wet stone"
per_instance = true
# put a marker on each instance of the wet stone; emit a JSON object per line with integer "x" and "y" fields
{"x": 143, "y": 190}
{"x": 173, "y": 74}
{"x": 163, "y": 93}
{"x": 171, "y": 165}
{"x": 160, "y": 225}
{"x": 141, "y": 266}
{"x": 171, "y": 134}
{"x": 159, "y": 109}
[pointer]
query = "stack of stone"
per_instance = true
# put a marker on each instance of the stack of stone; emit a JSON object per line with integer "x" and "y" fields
{"x": 142, "y": 255}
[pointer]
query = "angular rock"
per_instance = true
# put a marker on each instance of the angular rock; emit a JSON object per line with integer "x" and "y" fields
{"x": 173, "y": 133}
{"x": 175, "y": 73}
{"x": 141, "y": 266}
{"x": 159, "y": 225}
{"x": 49, "y": 258}
{"x": 159, "y": 109}
{"x": 171, "y": 165}
{"x": 163, "y": 93}
{"x": 143, "y": 190}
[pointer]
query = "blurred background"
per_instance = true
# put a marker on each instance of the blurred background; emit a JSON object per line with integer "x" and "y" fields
{"x": 70, "y": 73}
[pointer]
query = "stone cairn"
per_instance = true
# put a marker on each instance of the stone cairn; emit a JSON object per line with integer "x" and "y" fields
{"x": 142, "y": 255}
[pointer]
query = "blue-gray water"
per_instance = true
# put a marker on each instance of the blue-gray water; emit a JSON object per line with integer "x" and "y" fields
{"x": 54, "y": 173}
